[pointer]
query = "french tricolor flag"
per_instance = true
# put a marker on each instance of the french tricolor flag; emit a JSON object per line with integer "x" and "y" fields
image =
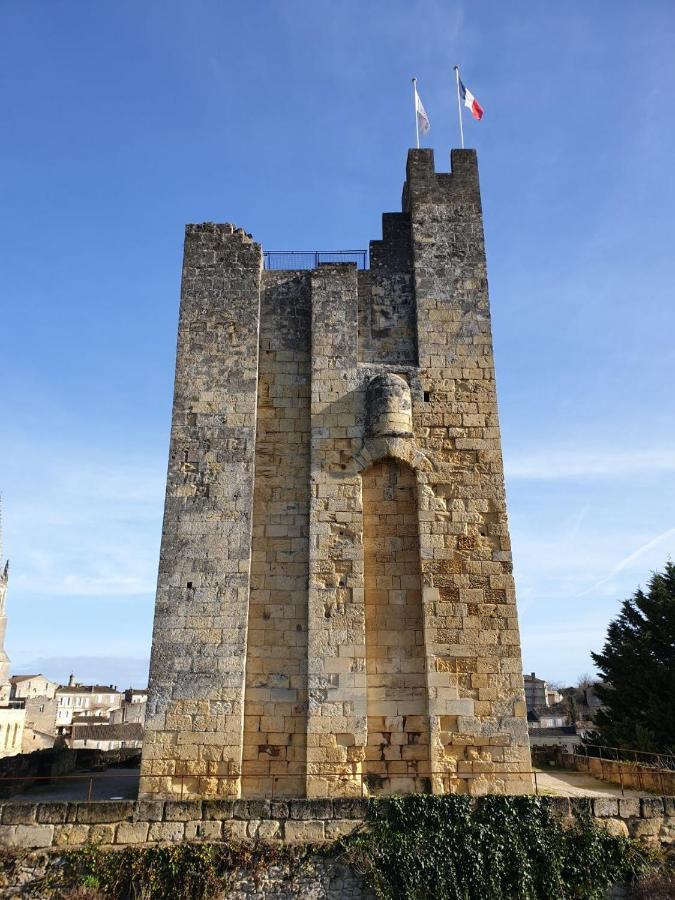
{"x": 470, "y": 101}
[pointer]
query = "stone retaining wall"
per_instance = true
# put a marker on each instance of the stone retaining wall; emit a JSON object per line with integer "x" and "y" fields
{"x": 629, "y": 774}
{"x": 107, "y": 823}
{"x": 18, "y": 773}
{"x": 319, "y": 878}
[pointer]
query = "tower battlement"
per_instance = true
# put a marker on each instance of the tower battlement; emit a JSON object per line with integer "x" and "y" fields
{"x": 335, "y": 606}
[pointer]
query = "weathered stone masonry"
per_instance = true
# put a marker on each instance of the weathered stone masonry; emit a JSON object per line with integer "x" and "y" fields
{"x": 335, "y": 608}
{"x": 124, "y": 822}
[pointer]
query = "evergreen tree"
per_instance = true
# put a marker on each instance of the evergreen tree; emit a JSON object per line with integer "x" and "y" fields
{"x": 572, "y": 708}
{"x": 638, "y": 670}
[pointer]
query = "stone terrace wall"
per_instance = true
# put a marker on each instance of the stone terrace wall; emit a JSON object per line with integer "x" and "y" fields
{"x": 17, "y": 773}
{"x": 630, "y": 775}
{"x": 318, "y": 879}
{"x": 107, "y": 823}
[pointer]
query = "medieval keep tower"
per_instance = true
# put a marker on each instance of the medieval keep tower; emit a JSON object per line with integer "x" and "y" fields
{"x": 335, "y": 609}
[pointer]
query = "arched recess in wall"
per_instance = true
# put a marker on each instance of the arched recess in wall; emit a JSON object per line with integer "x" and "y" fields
{"x": 397, "y": 753}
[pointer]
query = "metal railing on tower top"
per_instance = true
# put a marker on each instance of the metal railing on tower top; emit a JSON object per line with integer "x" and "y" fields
{"x": 310, "y": 259}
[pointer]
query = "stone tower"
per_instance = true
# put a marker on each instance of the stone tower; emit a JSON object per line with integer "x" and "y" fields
{"x": 335, "y": 609}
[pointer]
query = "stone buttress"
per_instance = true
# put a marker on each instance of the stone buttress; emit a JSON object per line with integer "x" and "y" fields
{"x": 336, "y": 608}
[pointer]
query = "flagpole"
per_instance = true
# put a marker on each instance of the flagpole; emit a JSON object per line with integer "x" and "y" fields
{"x": 459, "y": 109}
{"x": 417, "y": 124}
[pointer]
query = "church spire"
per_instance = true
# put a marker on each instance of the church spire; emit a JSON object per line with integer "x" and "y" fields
{"x": 4, "y": 569}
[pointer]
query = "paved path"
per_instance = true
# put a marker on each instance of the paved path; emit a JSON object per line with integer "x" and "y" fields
{"x": 119, "y": 784}
{"x": 123, "y": 784}
{"x": 563, "y": 783}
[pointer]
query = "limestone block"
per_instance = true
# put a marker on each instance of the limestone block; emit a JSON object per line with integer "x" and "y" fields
{"x": 603, "y": 807}
{"x": 217, "y": 809}
{"x": 237, "y": 829}
{"x": 148, "y": 811}
{"x": 311, "y": 809}
{"x": 52, "y": 813}
{"x": 104, "y": 811}
{"x": 301, "y": 832}
{"x": 616, "y": 827}
{"x": 18, "y": 813}
{"x": 132, "y": 832}
{"x": 338, "y": 828}
{"x": 102, "y": 834}
{"x": 70, "y": 835}
{"x": 170, "y": 832}
{"x": 203, "y": 831}
{"x": 651, "y": 807}
{"x": 182, "y": 810}
{"x": 248, "y": 809}
{"x": 266, "y": 829}
{"x": 667, "y": 832}
{"x": 26, "y": 836}
{"x": 629, "y": 807}
{"x": 346, "y": 808}
{"x": 645, "y": 828}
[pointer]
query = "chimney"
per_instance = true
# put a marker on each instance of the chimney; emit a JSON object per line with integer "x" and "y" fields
{"x": 71, "y": 680}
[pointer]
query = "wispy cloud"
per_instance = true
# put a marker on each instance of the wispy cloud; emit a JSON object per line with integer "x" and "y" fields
{"x": 630, "y": 558}
{"x": 582, "y": 464}
{"x": 82, "y": 522}
{"x": 119, "y": 670}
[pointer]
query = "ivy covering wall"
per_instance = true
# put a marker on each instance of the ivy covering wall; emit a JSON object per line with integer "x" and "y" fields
{"x": 451, "y": 847}
{"x": 410, "y": 848}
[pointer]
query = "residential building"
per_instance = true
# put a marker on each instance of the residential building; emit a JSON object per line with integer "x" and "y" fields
{"x": 555, "y": 716}
{"x": 545, "y": 717}
{"x": 565, "y": 736}
{"x": 23, "y": 686}
{"x": 553, "y": 696}
{"x": 11, "y": 730}
{"x": 40, "y": 726}
{"x": 535, "y": 691}
{"x": 75, "y": 700}
{"x": 12, "y": 716}
{"x": 106, "y": 736}
{"x": 136, "y": 695}
{"x": 129, "y": 711}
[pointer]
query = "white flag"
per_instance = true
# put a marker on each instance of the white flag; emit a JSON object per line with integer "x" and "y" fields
{"x": 422, "y": 117}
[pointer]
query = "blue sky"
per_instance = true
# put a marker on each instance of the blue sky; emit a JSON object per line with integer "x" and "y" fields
{"x": 121, "y": 122}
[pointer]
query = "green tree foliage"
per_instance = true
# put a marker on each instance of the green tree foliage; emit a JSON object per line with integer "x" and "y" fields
{"x": 638, "y": 670}
{"x": 572, "y": 708}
